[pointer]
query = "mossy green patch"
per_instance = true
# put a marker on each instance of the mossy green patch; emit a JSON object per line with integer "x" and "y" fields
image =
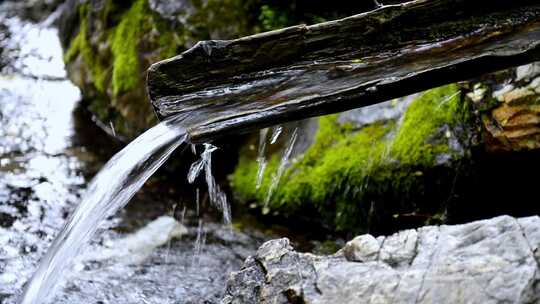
{"x": 272, "y": 19}
{"x": 124, "y": 30}
{"x": 321, "y": 176}
{"x": 415, "y": 143}
{"x": 125, "y": 40}
{"x": 137, "y": 25}
{"x": 80, "y": 45}
{"x": 345, "y": 170}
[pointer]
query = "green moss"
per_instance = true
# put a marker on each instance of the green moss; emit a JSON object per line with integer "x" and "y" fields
{"x": 415, "y": 143}
{"x": 125, "y": 40}
{"x": 168, "y": 44}
{"x": 100, "y": 107}
{"x": 272, "y": 19}
{"x": 345, "y": 170}
{"x": 320, "y": 178}
{"x": 487, "y": 104}
{"x": 80, "y": 45}
{"x": 134, "y": 26}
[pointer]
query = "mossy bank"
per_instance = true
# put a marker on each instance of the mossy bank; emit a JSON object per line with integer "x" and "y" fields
{"x": 354, "y": 176}
{"x": 447, "y": 155}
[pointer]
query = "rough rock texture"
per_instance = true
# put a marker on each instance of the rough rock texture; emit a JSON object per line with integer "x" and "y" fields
{"x": 32, "y": 10}
{"x": 489, "y": 261}
{"x": 510, "y": 105}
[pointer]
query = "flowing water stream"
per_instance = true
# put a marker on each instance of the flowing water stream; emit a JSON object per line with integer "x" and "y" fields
{"x": 166, "y": 247}
{"x": 109, "y": 191}
{"x": 143, "y": 254}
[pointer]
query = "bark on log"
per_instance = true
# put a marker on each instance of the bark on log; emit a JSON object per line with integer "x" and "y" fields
{"x": 304, "y": 71}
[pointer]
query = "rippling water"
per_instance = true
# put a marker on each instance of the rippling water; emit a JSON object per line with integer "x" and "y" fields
{"x": 40, "y": 172}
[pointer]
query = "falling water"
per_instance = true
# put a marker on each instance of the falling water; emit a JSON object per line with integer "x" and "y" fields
{"x": 218, "y": 198}
{"x": 276, "y": 131}
{"x": 200, "y": 240}
{"x": 261, "y": 159}
{"x": 109, "y": 191}
{"x": 284, "y": 163}
{"x": 197, "y": 200}
{"x": 197, "y": 167}
{"x": 173, "y": 211}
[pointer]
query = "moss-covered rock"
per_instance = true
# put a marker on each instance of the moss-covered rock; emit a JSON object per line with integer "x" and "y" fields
{"x": 356, "y": 177}
{"x": 110, "y": 44}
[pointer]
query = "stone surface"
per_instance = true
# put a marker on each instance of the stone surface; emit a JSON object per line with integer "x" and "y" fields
{"x": 509, "y": 103}
{"x": 488, "y": 261}
{"x": 363, "y": 248}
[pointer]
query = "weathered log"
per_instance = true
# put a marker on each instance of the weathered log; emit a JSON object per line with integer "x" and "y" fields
{"x": 304, "y": 71}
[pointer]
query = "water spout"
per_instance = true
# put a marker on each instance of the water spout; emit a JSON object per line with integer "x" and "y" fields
{"x": 109, "y": 191}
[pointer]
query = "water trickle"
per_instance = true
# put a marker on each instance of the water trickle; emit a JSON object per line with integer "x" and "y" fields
{"x": 284, "y": 163}
{"x": 197, "y": 200}
{"x": 173, "y": 212}
{"x": 183, "y": 215}
{"x": 276, "y": 132}
{"x": 261, "y": 159}
{"x": 218, "y": 198}
{"x": 200, "y": 240}
{"x": 113, "y": 131}
{"x": 195, "y": 170}
{"x": 109, "y": 191}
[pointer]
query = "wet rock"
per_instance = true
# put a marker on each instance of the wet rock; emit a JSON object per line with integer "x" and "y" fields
{"x": 489, "y": 261}
{"x": 509, "y": 105}
{"x": 176, "y": 10}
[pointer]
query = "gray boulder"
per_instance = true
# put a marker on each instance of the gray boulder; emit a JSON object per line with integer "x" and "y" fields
{"x": 488, "y": 261}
